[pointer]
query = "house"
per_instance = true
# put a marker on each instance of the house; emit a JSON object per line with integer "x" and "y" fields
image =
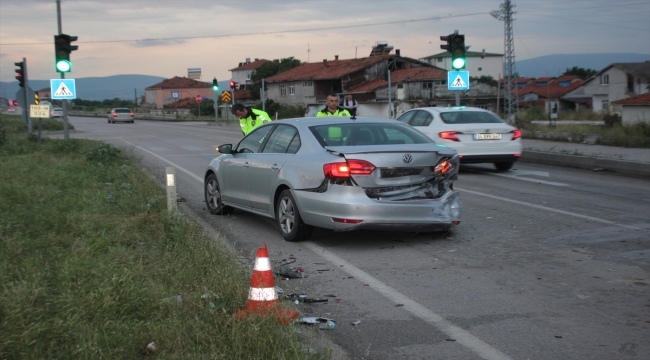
{"x": 478, "y": 63}
{"x": 547, "y": 92}
{"x": 617, "y": 81}
{"x": 242, "y": 73}
{"x": 309, "y": 84}
{"x": 172, "y": 91}
{"x": 44, "y": 94}
{"x": 633, "y": 110}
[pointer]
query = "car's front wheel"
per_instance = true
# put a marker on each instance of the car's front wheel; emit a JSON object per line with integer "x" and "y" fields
{"x": 503, "y": 166}
{"x": 213, "y": 197}
{"x": 290, "y": 223}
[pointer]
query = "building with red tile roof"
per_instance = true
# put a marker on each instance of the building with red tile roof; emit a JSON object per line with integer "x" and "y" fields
{"x": 634, "y": 109}
{"x": 242, "y": 73}
{"x": 175, "y": 89}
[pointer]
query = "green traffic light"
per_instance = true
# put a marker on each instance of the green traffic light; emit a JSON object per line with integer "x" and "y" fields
{"x": 215, "y": 88}
{"x": 63, "y": 66}
{"x": 458, "y": 63}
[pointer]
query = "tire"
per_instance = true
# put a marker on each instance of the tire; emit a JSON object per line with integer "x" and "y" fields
{"x": 290, "y": 223}
{"x": 213, "y": 197}
{"x": 503, "y": 166}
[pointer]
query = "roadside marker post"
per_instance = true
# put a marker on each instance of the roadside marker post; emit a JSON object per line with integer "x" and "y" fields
{"x": 171, "y": 189}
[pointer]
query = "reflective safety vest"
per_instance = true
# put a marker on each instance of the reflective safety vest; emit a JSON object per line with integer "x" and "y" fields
{"x": 339, "y": 112}
{"x": 255, "y": 119}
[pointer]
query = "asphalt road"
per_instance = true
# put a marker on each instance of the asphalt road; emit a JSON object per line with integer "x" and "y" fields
{"x": 548, "y": 263}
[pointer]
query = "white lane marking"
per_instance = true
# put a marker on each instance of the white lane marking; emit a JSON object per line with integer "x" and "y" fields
{"x": 516, "y": 177}
{"x": 463, "y": 337}
{"x": 167, "y": 161}
{"x": 609, "y": 222}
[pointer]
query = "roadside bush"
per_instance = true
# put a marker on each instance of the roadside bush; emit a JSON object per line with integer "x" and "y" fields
{"x": 283, "y": 111}
{"x": 612, "y": 120}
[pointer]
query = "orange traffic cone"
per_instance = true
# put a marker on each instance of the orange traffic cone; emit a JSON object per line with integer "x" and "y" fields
{"x": 262, "y": 297}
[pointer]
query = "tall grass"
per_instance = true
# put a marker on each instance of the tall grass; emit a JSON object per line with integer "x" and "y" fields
{"x": 92, "y": 266}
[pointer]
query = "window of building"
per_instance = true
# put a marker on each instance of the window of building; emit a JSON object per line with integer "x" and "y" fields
{"x": 480, "y": 69}
{"x": 564, "y": 83}
{"x": 307, "y": 83}
{"x": 541, "y": 83}
{"x": 427, "y": 85}
{"x": 439, "y": 59}
{"x": 630, "y": 83}
{"x": 283, "y": 90}
{"x": 292, "y": 89}
{"x": 605, "y": 105}
{"x": 604, "y": 79}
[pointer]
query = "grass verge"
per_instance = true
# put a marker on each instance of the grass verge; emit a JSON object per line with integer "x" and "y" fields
{"x": 93, "y": 266}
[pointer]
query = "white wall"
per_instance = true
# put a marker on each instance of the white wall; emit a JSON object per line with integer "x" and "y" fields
{"x": 633, "y": 114}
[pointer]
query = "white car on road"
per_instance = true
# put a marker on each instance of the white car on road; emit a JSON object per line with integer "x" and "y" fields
{"x": 478, "y": 135}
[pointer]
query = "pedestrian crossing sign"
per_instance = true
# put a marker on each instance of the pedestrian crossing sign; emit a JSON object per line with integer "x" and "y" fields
{"x": 458, "y": 80}
{"x": 63, "y": 89}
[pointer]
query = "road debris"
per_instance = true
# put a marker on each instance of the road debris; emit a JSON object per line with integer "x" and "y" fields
{"x": 323, "y": 323}
{"x": 356, "y": 322}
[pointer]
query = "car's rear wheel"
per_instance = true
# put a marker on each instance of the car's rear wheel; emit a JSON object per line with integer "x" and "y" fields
{"x": 290, "y": 223}
{"x": 503, "y": 166}
{"x": 213, "y": 197}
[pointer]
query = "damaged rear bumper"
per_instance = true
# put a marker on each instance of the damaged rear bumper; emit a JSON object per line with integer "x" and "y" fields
{"x": 351, "y": 202}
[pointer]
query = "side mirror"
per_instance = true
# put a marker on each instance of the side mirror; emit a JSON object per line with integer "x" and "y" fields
{"x": 225, "y": 148}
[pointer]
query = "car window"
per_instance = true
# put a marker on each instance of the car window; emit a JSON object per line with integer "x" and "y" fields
{"x": 469, "y": 117}
{"x": 280, "y": 139}
{"x": 122, "y": 110}
{"x": 422, "y": 118}
{"x": 367, "y": 134}
{"x": 295, "y": 145}
{"x": 252, "y": 142}
{"x": 406, "y": 118}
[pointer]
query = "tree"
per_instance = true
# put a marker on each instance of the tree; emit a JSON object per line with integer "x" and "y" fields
{"x": 584, "y": 74}
{"x": 269, "y": 69}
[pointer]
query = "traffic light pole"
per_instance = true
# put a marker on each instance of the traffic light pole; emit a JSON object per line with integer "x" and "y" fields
{"x": 64, "y": 102}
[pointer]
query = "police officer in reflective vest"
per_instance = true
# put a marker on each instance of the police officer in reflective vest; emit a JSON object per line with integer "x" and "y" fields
{"x": 249, "y": 118}
{"x": 333, "y": 108}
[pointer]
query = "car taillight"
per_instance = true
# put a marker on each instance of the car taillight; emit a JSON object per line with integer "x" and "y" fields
{"x": 131, "y": 114}
{"x": 449, "y": 135}
{"x": 346, "y": 221}
{"x": 516, "y": 134}
{"x": 114, "y": 114}
{"x": 345, "y": 169}
{"x": 443, "y": 166}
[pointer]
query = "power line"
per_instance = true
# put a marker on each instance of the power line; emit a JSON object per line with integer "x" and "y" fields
{"x": 268, "y": 32}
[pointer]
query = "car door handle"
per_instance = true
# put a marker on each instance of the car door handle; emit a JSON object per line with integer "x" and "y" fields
{"x": 275, "y": 167}
{"x": 246, "y": 164}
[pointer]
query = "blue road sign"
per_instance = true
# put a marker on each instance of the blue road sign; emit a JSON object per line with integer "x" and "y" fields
{"x": 458, "y": 80}
{"x": 63, "y": 89}
{"x": 176, "y": 94}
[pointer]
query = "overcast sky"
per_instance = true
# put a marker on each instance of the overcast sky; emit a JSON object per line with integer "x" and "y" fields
{"x": 165, "y": 37}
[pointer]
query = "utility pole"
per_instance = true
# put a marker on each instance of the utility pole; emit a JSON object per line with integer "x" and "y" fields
{"x": 511, "y": 96}
{"x": 390, "y": 100}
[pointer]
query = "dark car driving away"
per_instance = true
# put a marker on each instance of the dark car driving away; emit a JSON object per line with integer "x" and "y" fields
{"x": 337, "y": 173}
{"x": 120, "y": 114}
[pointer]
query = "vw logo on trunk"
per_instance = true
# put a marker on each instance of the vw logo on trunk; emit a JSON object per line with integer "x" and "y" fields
{"x": 407, "y": 158}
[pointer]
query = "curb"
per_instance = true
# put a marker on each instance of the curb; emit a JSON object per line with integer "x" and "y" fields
{"x": 629, "y": 168}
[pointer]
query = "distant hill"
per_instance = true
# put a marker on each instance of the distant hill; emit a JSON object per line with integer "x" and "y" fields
{"x": 94, "y": 88}
{"x": 554, "y": 65}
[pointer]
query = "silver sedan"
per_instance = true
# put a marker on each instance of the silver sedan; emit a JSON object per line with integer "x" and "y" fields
{"x": 337, "y": 173}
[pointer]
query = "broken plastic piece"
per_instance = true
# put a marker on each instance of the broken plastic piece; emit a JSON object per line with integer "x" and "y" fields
{"x": 288, "y": 272}
{"x": 323, "y": 323}
{"x": 356, "y": 322}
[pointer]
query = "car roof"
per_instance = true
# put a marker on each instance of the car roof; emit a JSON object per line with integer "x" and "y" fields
{"x": 451, "y": 109}
{"x": 329, "y": 120}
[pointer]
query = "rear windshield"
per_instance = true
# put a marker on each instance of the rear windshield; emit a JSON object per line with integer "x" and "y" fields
{"x": 368, "y": 134}
{"x": 122, "y": 110}
{"x": 469, "y": 117}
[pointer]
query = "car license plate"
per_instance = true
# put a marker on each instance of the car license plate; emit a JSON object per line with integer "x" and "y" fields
{"x": 487, "y": 136}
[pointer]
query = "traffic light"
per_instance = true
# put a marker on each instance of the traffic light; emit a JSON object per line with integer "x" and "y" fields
{"x": 233, "y": 85}
{"x": 458, "y": 60}
{"x": 62, "y": 50}
{"x": 215, "y": 85}
{"x": 20, "y": 73}
{"x": 456, "y": 46}
{"x": 265, "y": 85}
{"x": 37, "y": 101}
